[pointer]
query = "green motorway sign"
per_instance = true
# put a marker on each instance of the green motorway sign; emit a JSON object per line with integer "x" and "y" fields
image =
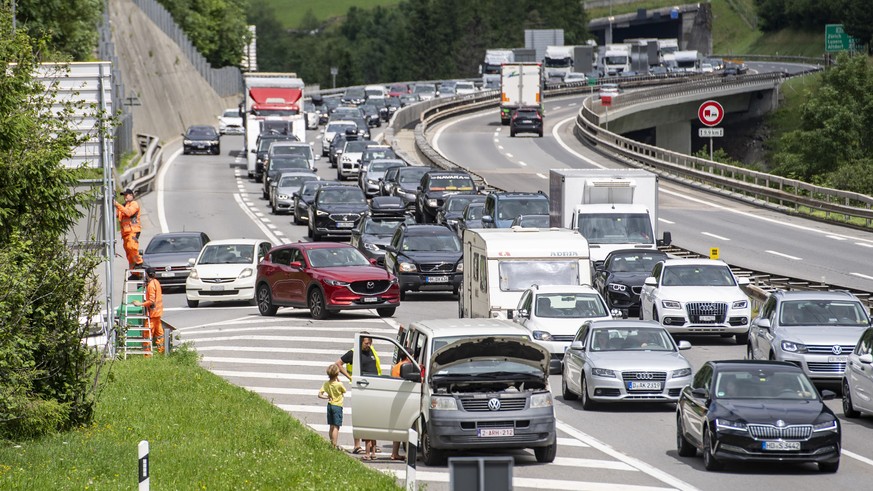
{"x": 836, "y": 39}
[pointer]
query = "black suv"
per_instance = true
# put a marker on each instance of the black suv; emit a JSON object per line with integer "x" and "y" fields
{"x": 336, "y": 210}
{"x": 435, "y": 186}
{"x": 526, "y": 120}
{"x": 425, "y": 257}
{"x": 503, "y": 207}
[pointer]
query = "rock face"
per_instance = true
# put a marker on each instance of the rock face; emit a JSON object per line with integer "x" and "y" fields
{"x": 173, "y": 95}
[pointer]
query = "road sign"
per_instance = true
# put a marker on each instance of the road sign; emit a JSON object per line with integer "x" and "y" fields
{"x": 713, "y": 252}
{"x": 710, "y": 113}
{"x": 836, "y": 39}
{"x": 710, "y": 132}
{"x": 334, "y": 70}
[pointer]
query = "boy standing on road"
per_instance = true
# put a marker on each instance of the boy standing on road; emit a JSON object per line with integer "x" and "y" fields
{"x": 333, "y": 391}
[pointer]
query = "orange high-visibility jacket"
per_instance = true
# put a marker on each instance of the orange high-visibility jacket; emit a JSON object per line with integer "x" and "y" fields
{"x": 154, "y": 298}
{"x": 128, "y": 215}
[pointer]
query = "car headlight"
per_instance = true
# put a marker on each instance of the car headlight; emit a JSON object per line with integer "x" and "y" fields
{"x": 682, "y": 372}
{"x": 740, "y": 304}
{"x": 617, "y": 287}
{"x": 826, "y": 426}
{"x": 443, "y": 403}
{"x": 726, "y": 424}
{"x": 194, "y": 275}
{"x": 321, "y": 213}
{"x": 283, "y": 196}
{"x": 671, "y": 304}
{"x": 336, "y": 282}
{"x": 432, "y": 203}
{"x": 541, "y": 400}
{"x": 603, "y": 372}
{"x": 187, "y": 142}
{"x": 245, "y": 273}
{"x": 373, "y": 182}
{"x": 459, "y": 268}
{"x": 371, "y": 247}
{"x": 792, "y": 347}
{"x": 542, "y": 336}
{"x": 407, "y": 268}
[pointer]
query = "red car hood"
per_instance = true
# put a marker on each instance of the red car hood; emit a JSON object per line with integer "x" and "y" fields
{"x": 355, "y": 273}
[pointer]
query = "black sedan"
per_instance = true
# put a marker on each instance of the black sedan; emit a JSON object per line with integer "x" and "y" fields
{"x": 169, "y": 254}
{"x": 762, "y": 411}
{"x": 201, "y": 139}
{"x": 620, "y": 278}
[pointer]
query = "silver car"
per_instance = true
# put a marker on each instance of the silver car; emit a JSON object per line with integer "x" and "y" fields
{"x": 814, "y": 330}
{"x": 624, "y": 361}
{"x": 858, "y": 383}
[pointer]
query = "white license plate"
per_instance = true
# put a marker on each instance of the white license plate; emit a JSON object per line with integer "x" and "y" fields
{"x": 707, "y": 318}
{"x": 780, "y": 446}
{"x": 217, "y": 288}
{"x": 436, "y": 279}
{"x": 838, "y": 359}
{"x": 370, "y": 299}
{"x": 167, "y": 274}
{"x": 526, "y": 121}
{"x": 644, "y": 385}
{"x": 345, "y": 224}
{"x": 488, "y": 432}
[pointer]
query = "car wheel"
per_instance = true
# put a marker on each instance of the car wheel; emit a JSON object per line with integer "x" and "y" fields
{"x": 185, "y": 152}
{"x": 829, "y": 467}
{"x": 265, "y": 301}
{"x": 386, "y": 311}
{"x": 317, "y": 307}
{"x": 297, "y": 220}
{"x": 587, "y": 403}
{"x": 683, "y": 446}
{"x": 709, "y": 460}
{"x": 566, "y": 392}
{"x": 218, "y": 151}
{"x": 772, "y": 357}
{"x": 511, "y": 134}
{"x": 429, "y": 455}
{"x": 742, "y": 338}
{"x": 541, "y": 133}
{"x": 848, "y": 409}
{"x": 546, "y": 455}
{"x": 194, "y": 303}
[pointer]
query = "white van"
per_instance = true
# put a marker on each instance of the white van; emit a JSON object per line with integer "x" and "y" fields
{"x": 500, "y": 264}
{"x": 452, "y": 398}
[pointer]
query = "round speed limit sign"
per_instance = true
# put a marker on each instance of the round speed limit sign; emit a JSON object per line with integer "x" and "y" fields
{"x": 710, "y": 113}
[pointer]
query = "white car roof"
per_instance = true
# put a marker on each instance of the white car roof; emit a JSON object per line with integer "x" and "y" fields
{"x": 694, "y": 262}
{"x": 563, "y": 289}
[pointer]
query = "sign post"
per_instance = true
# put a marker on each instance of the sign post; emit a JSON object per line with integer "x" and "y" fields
{"x": 143, "y": 450}
{"x": 710, "y": 114}
{"x": 333, "y": 71}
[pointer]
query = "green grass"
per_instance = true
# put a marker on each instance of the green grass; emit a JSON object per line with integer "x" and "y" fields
{"x": 204, "y": 433}
{"x": 291, "y": 12}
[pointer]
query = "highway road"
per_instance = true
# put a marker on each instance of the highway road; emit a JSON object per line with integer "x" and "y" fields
{"x": 283, "y": 358}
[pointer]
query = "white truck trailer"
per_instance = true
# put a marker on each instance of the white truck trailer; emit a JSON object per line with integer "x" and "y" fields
{"x": 616, "y": 59}
{"x": 501, "y": 263}
{"x": 490, "y": 68}
{"x": 612, "y": 208}
{"x": 558, "y": 62}
{"x": 521, "y": 84}
{"x": 270, "y": 97}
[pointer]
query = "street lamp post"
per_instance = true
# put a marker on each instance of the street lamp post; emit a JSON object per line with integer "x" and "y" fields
{"x": 333, "y": 71}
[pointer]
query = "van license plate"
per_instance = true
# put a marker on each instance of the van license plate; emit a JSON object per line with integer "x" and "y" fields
{"x": 838, "y": 359}
{"x": 167, "y": 274}
{"x": 781, "y": 446}
{"x": 489, "y": 432}
{"x": 436, "y": 279}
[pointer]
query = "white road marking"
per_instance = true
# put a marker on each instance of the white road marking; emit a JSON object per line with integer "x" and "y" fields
{"x": 500, "y": 147}
{"x": 537, "y": 483}
{"x": 279, "y": 319}
{"x": 270, "y": 235}
{"x": 557, "y": 107}
{"x": 863, "y": 244}
{"x": 509, "y": 155}
{"x": 436, "y": 136}
{"x": 571, "y": 104}
{"x": 162, "y": 215}
{"x": 259, "y": 349}
{"x": 298, "y": 339}
{"x": 859, "y": 458}
{"x": 719, "y": 237}
{"x": 308, "y": 408}
{"x": 522, "y": 163}
{"x": 787, "y": 256}
{"x": 664, "y": 220}
{"x": 266, "y": 220}
{"x": 286, "y": 391}
{"x": 269, "y": 375}
{"x": 265, "y": 361}
{"x": 542, "y": 176}
{"x": 497, "y": 131}
{"x": 284, "y": 328}
{"x": 272, "y": 227}
{"x": 556, "y": 129}
{"x": 496, "y": 140}
{"x": 836, "y": 237}
{"x": 859, "y": 275}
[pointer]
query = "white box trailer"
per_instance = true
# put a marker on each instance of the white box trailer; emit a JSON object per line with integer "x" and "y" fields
{"x": 500, "y": 263}
{"x": 521, "y": 84}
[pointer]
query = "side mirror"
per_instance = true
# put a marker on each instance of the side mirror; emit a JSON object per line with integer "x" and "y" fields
{"x": 683, "y": 345}
{"x": 828, "y": 395}
{"x": 487, "y": 219}
{"x": 742, "y": 281}
{"x": 296, "y": 264}
{"x": 390, "y": 248}
{"x": 866, "y": 358}
{"x": 700, "y": 393}
{"x": 183, "y": 135}
{"x": 191, "y": 261}
{"x": 577, "y": 345}
{"x": 763, "y": 323}
{"x": 373, "y": 261}
{"x": 651, "y": 281}
{"x": 523, "y": 314}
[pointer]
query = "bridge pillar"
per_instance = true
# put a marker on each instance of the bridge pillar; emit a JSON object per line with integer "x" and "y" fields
{"x": 674, "y": 136}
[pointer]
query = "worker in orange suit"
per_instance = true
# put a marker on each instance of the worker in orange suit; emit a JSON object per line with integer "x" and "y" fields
{"x": 128, "y": 216}
{"x": 154, "y": 302}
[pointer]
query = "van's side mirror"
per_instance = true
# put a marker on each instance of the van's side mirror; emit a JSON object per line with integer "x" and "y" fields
{"x": 763, "y": 323}
{"x": 523, "y": 313}
{"x": 667, "y": 240}
{"x": 866, "y": 358}
{"x": 742, "y": 281}
{"x": 700, "y": 393}
{"x": 191, "y": 261}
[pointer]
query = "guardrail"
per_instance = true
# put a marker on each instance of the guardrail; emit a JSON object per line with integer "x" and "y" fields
{"x": 141, "y": 176}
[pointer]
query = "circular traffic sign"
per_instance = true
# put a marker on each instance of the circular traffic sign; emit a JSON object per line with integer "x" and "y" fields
{"x": 710, "y": 113}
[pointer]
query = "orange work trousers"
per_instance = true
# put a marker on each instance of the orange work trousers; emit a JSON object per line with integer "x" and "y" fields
{"x": 131, "y": 248}
{"x": 157, "y": 331}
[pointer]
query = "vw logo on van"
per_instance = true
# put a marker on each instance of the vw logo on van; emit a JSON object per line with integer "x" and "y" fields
{"x": 837, "y": 349}
{"x": 645, "y": 376}
{"x": 494, "y": 404}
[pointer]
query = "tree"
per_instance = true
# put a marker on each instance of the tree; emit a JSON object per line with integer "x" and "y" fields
{"x": 217, "y": 28}
{"x": 857, "y": 18}
{"x": 71, "y": 25}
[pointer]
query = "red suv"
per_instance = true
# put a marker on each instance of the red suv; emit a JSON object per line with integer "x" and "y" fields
{"x": 324, "y": 277}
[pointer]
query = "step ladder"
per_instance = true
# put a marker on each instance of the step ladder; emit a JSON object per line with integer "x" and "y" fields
{"x": 136, "y": 333}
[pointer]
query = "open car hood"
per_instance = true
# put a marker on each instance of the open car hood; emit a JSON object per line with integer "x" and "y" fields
{"x": 485, "y": 348}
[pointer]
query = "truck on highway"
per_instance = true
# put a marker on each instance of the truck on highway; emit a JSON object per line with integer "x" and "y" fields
{"x": 490, "y": 68}
{"x": 501, "y": 263}
{"x": 687, "y": 61}
{"x": 521, "y": 84}
{"x": 271, "y": 100}
{"x": 667, "y": 47}
{"x": 558, "y": 62}
{"x": 612, "y": 208}
{"x": 616, "y": 59}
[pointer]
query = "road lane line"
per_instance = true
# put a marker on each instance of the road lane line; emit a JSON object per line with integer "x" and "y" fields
{"x": 862, "y": 244}
{"x": 284, "y": 391}
{"x": 509, "y": 155}
{"x": 162, "y": 215}
{"x": 241, "y": 321}
{"x": 268, "y": 375}
{"x": 719, "y": 237}
{"x": 270, "y": 235}
{"x": 283, "y": 328}
{"x": 664, "y": 220}
{"x": 787, "y": 256}
{"x": 260, "y": 349}
{"x": 859, "y": 458}
{"x": 266, "y": 361}
{"x": 859, "y": 275}
{"x": 556, "y": 129}
{"x": 541, "y": 176}
{"x": 500, "y": 147}
{"x": 835, "y": 237}
{"x": 522, "y": 163}
{"x": 299, "y": 339}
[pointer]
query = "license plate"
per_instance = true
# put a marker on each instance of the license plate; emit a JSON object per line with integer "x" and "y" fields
{"x": 707, "y": 318}
{"x": 370, "y": 299}
{"x": 345, "y": 224}
{"x": 783, "y": 446}
{"x": 489, "y": 432}
{"x": 838, "y": 359}
{"x": 217, "y": 288}
{"x": 436, "y": 279}
{"x": 644, "y": 385}
{"x": 167, "y": 274}
{"x": 526, "y": 121}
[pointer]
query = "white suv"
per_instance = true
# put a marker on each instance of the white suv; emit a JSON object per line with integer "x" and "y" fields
{"x": 697, "y": 296}
{"x": 554, "y": 313}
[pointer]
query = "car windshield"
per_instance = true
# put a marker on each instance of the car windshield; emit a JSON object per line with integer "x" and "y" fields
{"x": 227, "y": 254}
{"x": 423, "y": 89}
{"x": 527, "y": 114}
{"x": 637, "y": 262}
{"x": 302, "y": 150}
{"x": 376, "y": 92}
{"x": 348, "y": 195}
{"x": 474, "y": 211}
{"x": 164, "y": 245}
{"x": 381, "y": 227}
{"x": 292, "y": 181}
{"x": 457, "y": 203}
{"x": 412, "y": 175}
{"x": 357, "y": 146}
{"x": 231, "y": 113}
{"x": 764, "y": 383}
{"x": 697, "y": 275}
{"x": 822, "y": 313}
{"x": 288, "y": 163}
{"x": 631, "y": 339}
{"x": 201, "y": 132}
{"x": 508, "y": 209}
{"x": 381, "y": 166}
{"x": 615, "y": 228}
{"x": 489, "y": 369}
{"x": 336, "y": 257}
{"x": 534, "y": 221}
{"x": 432, "y": 242}
{"x": 573, "y": 305}
{"x": 341, "y": 128}
{"x": 379, "y": 153}
{"x": 516, "y": 276}
{"x": 354, "y": 93}
{"x": 451, "y": 183}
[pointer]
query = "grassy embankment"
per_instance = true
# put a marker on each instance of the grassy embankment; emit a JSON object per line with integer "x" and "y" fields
{"x": 204, "y": 433}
